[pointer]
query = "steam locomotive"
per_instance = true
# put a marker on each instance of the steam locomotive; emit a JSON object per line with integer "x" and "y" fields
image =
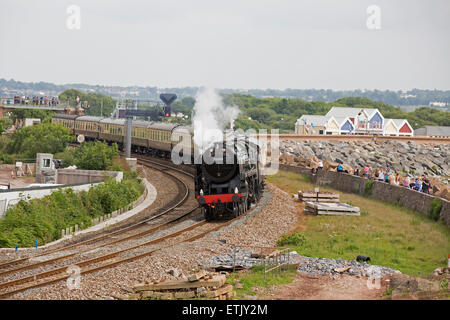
{"x": 227, "y": 187}
{"x": 223, "y": 190}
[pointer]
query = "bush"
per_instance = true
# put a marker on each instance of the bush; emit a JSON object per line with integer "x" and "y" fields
{"x": 368, "y": 187}
{"x": 295, "y": 239}
{"x": 43, "y": 219}
{"x": 435, "y": 209}
{"x": 91, "y": 156}
{"x": 40, "y": 138}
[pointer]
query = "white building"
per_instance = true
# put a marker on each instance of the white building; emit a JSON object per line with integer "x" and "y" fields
{"x": 312, "y": 124}
{"x": 368, "y": 121}
{"x": 397, "y": 127}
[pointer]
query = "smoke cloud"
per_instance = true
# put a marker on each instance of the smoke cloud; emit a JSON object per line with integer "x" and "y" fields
{"x": 211, "y": 118}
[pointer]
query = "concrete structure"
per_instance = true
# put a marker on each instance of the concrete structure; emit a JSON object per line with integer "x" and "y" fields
{"x": 11, "y": 197}
{"x": 132, "y": 162}
{"x": 31, "y": 122}
{"x": 74, "y": 176}
{"x": 45, "y": 168}
{"x": 65, "y": 178}
{"x": 433, "y": 131}
{"x": 7, "y": 105}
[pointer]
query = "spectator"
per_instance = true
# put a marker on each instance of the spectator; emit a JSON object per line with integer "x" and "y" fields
{"x": 356, "y": 171}
{"x": 320, "y": 167}
{"x": 381, "y": 176}
{"x": 418, "y": 185}
{"x": 406, "y": 182}
{"x": 426, "y": 184}
{"x": 339, "y": 168}
{"x": 386, "y": 176}
{"x": 392, "y": 180}
{"x": 366, "y": 171}
{"x": 397, "y": 178}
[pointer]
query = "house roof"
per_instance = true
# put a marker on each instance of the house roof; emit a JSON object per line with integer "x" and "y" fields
{"x": 342, "y": 112}
{"x": 313, "y": 119}
{"x": 397, "y": 122}
{"x": 342, "y": 120}
{"x": 89, "y": 118}
{"x": 433, "y": 131}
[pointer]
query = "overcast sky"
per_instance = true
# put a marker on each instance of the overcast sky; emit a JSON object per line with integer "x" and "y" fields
{"x": 229, "y": 43}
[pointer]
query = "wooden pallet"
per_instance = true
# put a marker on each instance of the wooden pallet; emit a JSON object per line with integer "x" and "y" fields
{"x": 199, "y": 285}
{"x": 322, "y": 196}
{"x": 317, "y": 208}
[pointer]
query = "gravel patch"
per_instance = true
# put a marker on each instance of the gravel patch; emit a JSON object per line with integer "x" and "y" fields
{"x": 313, "y": 266}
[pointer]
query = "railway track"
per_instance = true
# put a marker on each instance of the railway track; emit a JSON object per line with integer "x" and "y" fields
{"x": 110, "y": 260}
{"x": 134, "y": 246}
{"x": 177, "y": 202}
{"x": 162, "y": 218}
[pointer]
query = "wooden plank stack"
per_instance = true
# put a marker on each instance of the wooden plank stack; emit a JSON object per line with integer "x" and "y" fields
{"x": 199, "y": 285}
{"x": 321, "y": 196}
{"x": 316, "y": 208}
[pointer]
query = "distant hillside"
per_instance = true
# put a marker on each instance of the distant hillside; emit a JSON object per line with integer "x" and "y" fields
{"x": 414, "y": 97}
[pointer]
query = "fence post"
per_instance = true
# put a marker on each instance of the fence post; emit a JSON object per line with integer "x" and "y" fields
{"x": 265, "y": 269}
{"x": 234, "y": 257}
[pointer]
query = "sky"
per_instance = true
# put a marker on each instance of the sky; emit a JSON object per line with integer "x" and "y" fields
{"x": 239, "y": 44}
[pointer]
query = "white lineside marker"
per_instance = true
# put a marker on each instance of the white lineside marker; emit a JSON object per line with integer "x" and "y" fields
{"x": 448, "y": 265}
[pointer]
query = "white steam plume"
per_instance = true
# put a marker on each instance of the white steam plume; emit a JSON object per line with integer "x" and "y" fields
{"x": 211, "y": 117}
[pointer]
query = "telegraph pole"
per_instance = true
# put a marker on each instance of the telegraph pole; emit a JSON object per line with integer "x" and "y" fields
{"x": 129, "y": 121}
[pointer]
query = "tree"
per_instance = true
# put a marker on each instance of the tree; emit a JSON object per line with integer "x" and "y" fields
{"x": 91, "y": 156}
{"x": 21, "y": 114}
{"x": 99, "y": 104}
{"x": 2, "y": 125}
{"x": 40, "y": 138}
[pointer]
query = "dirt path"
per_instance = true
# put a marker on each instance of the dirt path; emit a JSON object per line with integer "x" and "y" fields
{"x": 5, "y": 177}
{"x": 345, "y": 287}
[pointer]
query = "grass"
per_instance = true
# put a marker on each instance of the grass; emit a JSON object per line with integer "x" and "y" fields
{"x": 390, "y": 235}
{"x": 254, "y": 278}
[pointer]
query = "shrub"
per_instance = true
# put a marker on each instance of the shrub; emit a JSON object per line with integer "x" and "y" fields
{"x": 43, "y": 219}
{"x": 91, "y": 156}
{"x": 295, "y": 239}
{"x": 368, "y": 186}
{"x": 364, "y": 213}
{"x": 435, "y": 209}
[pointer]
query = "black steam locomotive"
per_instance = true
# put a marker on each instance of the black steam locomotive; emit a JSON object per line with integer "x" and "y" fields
{"x": 226, "y": 187}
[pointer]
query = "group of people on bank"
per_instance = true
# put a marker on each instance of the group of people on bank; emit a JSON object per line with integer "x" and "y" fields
{"x": 421, "y": 184}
